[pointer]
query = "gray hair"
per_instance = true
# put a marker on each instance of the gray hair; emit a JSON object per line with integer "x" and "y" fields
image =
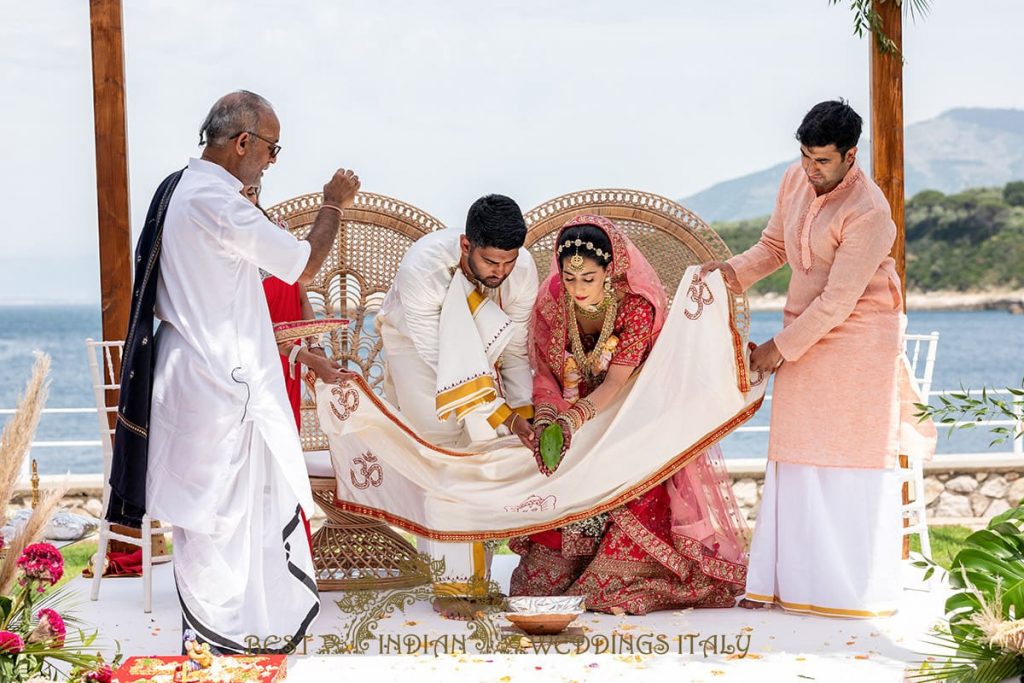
{"x": 232, "y": 114}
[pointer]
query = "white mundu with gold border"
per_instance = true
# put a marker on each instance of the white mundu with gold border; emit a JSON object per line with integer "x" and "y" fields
{"x": 827, "y": 541}
{"x": 457, "y": 361}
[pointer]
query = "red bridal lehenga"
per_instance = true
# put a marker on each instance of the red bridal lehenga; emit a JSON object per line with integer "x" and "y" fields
{"x": 683, "y": 542}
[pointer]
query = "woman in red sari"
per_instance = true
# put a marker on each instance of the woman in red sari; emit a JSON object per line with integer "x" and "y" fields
{"x": 288, "y": 303}
{"x": 681, "y": 544}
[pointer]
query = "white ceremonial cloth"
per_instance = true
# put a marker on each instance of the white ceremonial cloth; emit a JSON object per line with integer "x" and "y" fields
{"x": 828, "y": 541}
{"x": 217, "y": 366}
{"x": 684, "y": 399}
{"x": 410, "y": 315}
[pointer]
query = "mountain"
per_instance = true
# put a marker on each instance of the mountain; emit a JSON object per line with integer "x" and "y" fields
{"x": 959, "y": 149}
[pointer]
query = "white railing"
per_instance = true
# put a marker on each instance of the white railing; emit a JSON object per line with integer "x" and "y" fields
{"x": 1017, "y": 406}
{"x": 1017, "y": 444}
{"x": 60, "y": 411}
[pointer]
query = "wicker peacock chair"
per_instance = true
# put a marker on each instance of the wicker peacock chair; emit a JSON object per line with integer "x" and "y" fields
{"x": 350, "y": 550}
{"x": 669, "y": 235}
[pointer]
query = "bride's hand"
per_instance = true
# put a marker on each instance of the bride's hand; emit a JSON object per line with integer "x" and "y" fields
{"x": 541, "y": 467}
{"x": 566, "y": 437}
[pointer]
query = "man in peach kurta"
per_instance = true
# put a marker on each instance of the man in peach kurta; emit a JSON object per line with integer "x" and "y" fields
{"x": 828, "y": 531}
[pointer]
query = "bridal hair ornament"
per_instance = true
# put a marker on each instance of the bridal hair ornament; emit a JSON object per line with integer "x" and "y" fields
{"x": 576, "y": 260}
{"x": 576, "y": 263}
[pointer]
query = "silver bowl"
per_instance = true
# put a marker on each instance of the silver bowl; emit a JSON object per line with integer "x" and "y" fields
{"x": 547, "y": 604}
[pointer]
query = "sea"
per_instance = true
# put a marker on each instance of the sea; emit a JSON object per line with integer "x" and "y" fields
{"x": 976, "y": 348}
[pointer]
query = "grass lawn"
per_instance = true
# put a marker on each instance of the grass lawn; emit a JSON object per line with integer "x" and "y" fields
{"x": 76, "y": 557}
{"x": 946, "y": 543}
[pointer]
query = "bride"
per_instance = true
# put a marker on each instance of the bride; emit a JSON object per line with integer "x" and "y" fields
{"x": 680, "y": 544}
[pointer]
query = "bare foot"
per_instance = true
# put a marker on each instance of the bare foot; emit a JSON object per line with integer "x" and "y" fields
{"x": 753, "y": 604}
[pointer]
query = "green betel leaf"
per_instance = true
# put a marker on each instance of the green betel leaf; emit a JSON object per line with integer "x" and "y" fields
{"x": 551, "y": 441}
{"x": 5, "y": 608}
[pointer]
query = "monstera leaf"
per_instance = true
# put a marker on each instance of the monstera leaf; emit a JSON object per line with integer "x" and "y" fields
{"x": 991, "y": 561}
{"x": 988, "y": 574}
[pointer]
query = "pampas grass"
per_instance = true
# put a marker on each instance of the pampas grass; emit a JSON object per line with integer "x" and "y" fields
{"x": 14, "y": 446}
{"x": 19, "y": 432}
{"x": 31, "y": 533}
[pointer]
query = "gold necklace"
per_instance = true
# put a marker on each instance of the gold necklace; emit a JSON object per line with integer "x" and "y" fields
{"x": 594, "y": 313}
{"x": 586, "y": 361}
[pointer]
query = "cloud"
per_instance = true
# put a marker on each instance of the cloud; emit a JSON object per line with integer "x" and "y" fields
{"x": 437, "y": 103}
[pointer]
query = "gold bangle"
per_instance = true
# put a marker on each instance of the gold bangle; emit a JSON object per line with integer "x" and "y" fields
{"x": 587, "y": 409}
{"x": 570, "y": 420}
{"x": 544, "y": 412}
{"x": 332, "y": 207}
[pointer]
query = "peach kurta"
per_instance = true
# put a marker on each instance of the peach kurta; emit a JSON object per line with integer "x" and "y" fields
{"x": 835, "y": 398}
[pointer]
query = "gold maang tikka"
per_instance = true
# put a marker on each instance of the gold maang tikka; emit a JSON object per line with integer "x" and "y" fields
{"x": 576, "y": 262}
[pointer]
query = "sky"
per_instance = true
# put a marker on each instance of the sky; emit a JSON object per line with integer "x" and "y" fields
{"x": 437, "y": 103}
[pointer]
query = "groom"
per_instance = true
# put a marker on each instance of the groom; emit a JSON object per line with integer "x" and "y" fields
{"x": 454, "y": 329}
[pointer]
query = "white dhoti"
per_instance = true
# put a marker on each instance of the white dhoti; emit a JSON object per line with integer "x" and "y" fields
{"x": 247, "y": 585}
{"x": 827, "y": 541}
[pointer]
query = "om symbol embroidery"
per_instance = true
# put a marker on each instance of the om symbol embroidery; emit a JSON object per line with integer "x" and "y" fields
{"x": 699, "y": 293}
{"x": 370, "y": 472}
{"x": 347, "y": 398}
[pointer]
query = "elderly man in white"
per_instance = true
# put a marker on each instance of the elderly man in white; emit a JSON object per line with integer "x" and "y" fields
{"x": 225, "y": 465}
{"x": 454, "y": 329}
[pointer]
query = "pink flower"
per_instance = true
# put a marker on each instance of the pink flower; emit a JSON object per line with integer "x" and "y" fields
{"x": 2, "y": 542}
{"x": 41, "y": 562}
{"x": 11, "y": 643}
{"x": 50, "y": 629}
{"x": 103, "y": 674}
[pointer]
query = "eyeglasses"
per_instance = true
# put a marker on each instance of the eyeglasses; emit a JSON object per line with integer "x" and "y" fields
{"x": 274, "y": 147}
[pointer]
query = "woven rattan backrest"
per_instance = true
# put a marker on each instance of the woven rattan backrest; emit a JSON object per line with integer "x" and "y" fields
{"x": 363, "y": 261}
{"x": 669, "y": 235}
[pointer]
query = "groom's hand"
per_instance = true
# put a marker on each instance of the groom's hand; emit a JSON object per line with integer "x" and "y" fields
{"x": 521, "y": 428}
{"x": 728, "y": 274}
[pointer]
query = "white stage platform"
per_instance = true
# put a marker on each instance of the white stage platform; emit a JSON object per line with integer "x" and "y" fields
{"x": 780, "y": 646}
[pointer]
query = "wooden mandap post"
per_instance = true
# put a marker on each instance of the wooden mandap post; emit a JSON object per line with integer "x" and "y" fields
{"x": 887, "y": 152}
{"x": 887, "y": 124}
{"x": 113, "y": 212}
